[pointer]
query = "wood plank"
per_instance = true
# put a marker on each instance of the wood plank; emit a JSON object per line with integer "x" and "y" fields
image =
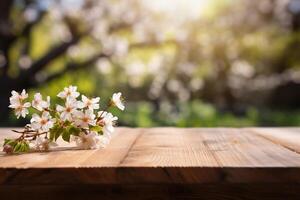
{"x": 66, "y": 156}
{"x": 162, "y": 163}
{"x": 157, "y": 191}
{"x": 207, "y": 147}
{"x": 169, "y": 147}
{"x": 160, "y": 155}
{"x": 286, "y": 137}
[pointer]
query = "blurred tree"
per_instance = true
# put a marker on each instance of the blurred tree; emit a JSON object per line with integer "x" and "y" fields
{"x": 17, "y": 21}
{"x": 22, "y": 68}
{"x": 234, "y": 55}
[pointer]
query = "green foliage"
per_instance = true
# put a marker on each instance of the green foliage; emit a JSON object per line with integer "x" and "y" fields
{"x": 65, "y": 130}
{"x": 68, "y": 131}
{"x": 21, "y": 146}
{"x": 137, "y": 114}
{"x": 17, "y": 146}
{"x": 199, "y": 114}
{"x": 56, "y": 131}
{"x": 211, "y": 48}
{"x": 97, "y": 128}
{"x": 10, "y": 142}
{"x": 66, "y": 135}
{"x": 72, "y": 130}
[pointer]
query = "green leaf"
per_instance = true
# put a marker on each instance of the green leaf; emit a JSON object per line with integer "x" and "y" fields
{"x": 26, "y": 146}
{"x": 6, "y": 141}
{"x": 66, "y": 135}
{"x": 96, "y": 128}
{"x": 56, "y": 115}
{"x": 74, "y": 130}
{"x": 17, "y": 147}
{"x": 55, "y": 132}
{"x": 100, "y": 132}
{"x": 22, "y": 147}
{"x": 67, "y": 123}
{"x": 10, "y": 142}
{"x": 58, "y": 132}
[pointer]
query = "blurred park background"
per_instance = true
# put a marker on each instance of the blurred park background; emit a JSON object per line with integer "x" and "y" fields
{"x": 178, "y": 62}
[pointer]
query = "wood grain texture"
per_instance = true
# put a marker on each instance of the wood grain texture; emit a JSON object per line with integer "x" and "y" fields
{"x": 286, "y": 137}
{"x": 189, "y": 159}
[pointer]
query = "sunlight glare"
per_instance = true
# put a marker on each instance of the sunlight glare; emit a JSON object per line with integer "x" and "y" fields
{"x": 185, "y": 9}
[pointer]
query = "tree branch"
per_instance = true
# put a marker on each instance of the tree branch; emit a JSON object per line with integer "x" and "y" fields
{"x": 87, "y": 63}
{"x": 6, "y": 34}
{"x": 48, "y": 57}
{"x": 26, "y": 32}
{"x": 73, "y": 66}
{"x": 152, "y": 44}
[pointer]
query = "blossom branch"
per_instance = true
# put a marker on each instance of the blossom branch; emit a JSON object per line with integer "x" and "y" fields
{"x": 76, "y": 118}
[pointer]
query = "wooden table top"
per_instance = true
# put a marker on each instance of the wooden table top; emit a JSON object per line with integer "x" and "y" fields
{"x": 165, "y": 155}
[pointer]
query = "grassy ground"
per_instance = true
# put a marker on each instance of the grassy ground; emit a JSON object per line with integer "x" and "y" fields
{"x": 199, "y": 114}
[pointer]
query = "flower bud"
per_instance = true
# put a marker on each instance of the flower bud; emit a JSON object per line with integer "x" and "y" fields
{"x": 45, "y": 145}
{"x": 7, "y": 149}
{"x": 101, "y": 122}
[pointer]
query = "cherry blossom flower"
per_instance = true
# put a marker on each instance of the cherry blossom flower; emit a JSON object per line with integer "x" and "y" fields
{"x": 38, "y": 102}
{"x": 87, "y": 141}
{"x": 102, "y": 114}
{"x": 70, "y": 91}
{"x": 69, "y": 109}
{"x": 70, "y": 119}
{"x": 89, "y": 103}
{"x": 18, "y": 97}
{"x": 103, "y": 141}
{"x": 84, "y": 119}
{"x": 109, "y": 121}
{"x": 43, "y": 123}
{"x": 48, "y": 102}
{"x": 117, "y": 100}
{"x": 20, "y": 109}
{"x": 43, "y": 144}
{"x": 18, "y": 104}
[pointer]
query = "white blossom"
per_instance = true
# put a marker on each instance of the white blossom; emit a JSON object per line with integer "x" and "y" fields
{"x": 117, "y": 100}
{"x": 108, "y": 121}
{"x": 38, "y": 102}
{"x": 43, "y": 123}
{"x": 103, "y": 141}
{"x": 17, "y": 96}
{"x": 89, "y": 103}
{"x": 48, "y": 102}
{"x": 78, "y": 113}
{"x": 21, "y": 109}
{"x": 88, "y": 141}
{"x": 69, "y": 109}
{"x": 84, "y": 119}
{"x": 42, "y": 143}
{"x": 70, "y": 91}
{"x": 102, "y": 114}
{"x": 18, "y": 104}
